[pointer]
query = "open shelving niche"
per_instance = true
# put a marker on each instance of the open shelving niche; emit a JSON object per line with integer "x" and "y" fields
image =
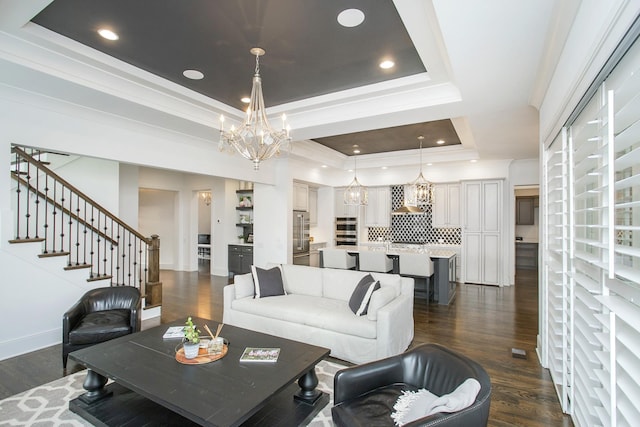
{"x": 244, "y": 220}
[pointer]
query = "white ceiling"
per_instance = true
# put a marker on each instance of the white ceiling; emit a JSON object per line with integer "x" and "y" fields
{"x": 487, "y": 63}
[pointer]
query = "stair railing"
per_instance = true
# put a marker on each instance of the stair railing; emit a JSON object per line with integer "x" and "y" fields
{"x": 70, "y": 223}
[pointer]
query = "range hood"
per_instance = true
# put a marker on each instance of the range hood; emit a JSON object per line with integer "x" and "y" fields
{"x": 404, "y": 209}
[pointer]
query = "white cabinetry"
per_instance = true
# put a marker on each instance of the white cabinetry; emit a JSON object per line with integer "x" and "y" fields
{"x": 446, "y": 205}
{"x": 300, "y": 196}
{"x": 313, "y": 207}
{"x": 341, "y": 209}
{"x": 482, "y": 232}
{"x": 378, "y": 210}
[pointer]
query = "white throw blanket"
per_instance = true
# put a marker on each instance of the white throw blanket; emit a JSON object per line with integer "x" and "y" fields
{"x": 413, "y": 405}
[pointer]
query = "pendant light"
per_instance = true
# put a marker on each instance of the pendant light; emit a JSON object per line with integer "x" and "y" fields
{"x": 356, "y": 193}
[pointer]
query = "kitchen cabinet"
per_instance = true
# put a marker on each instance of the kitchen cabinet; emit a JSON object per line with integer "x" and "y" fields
{"x": 524, "y": 210}
{"x": 341, "y": 209}
{"x": 482, "y": 232}
{"x": 240, "y": 259}
{"x": 300, "y": 197}
{"x": 313, "y": 207}
{"x": 446, "y": 205}
{"x": 378, "y": 210}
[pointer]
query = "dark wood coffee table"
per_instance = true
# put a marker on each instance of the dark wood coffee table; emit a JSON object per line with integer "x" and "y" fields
{"x": 151, "y": 388}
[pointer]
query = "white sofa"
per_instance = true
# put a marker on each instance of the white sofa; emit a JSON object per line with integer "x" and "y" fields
{"x": 316, "y": 310}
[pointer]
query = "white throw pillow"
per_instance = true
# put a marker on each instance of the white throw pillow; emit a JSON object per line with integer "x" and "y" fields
{"x": 243, "y": 284}
{"x": 379, "y": 299}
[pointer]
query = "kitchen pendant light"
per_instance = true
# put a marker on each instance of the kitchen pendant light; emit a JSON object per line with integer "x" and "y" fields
{"x": 255, "y": 139}
{"x": 421, "y": 190}
{"x": 356, "y": 193}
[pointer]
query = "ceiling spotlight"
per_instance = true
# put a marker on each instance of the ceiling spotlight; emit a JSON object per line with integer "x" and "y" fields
{"x": 108, "y": 34}
{"x": 245, "y": 99}
{"x": 384, "y": 168}
{"x": 193, "y": 74}
{"x": 429, "y": 164}
{"x": 350, "y": 18}
{"x": 473, "y": 160}
{"x": 356, "y": 151}
{"x": 386, "y": 64}
{"x": 440, "y": 141}
{"x": 324, "y": 166}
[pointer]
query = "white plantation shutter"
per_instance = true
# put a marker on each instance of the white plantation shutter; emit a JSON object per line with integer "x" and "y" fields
{"x": 598, "y": 376}
{"x": 556, "y": 229}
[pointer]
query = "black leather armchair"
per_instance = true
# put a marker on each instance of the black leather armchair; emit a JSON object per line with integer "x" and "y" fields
{"x": 100, "y": 315}
{"x": 364, "y": 395}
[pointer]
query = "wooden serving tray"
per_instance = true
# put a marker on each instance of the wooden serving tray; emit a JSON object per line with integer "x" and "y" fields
{"x": 202, "y": 357}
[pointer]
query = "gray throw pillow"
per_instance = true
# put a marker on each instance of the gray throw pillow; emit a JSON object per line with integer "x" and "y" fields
{"x": 361, "y": 295}
{"x": 268, "y": 283}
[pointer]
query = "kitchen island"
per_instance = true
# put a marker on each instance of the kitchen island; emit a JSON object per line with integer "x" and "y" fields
{"x": 444, "y": 264}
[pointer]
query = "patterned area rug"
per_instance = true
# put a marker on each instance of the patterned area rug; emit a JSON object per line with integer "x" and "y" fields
{"x": 48, "y": 405}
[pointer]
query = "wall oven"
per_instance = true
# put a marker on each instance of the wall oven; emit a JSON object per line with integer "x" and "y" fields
{"x": 346, "y": 233}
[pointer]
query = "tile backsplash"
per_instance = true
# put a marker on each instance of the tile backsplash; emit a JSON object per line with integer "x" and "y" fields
{"x": 413, "y": 228}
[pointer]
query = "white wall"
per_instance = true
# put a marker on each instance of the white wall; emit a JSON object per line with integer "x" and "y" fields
{"x": 156, "y": 215}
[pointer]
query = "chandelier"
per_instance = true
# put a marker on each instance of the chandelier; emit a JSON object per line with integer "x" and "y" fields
{"x": 356, "y": 193}
{"x": 255, "y": 139}
{"x": 420, "y": 190}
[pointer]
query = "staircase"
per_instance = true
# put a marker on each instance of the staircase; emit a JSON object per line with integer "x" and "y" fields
{"x": 70, "y": 225}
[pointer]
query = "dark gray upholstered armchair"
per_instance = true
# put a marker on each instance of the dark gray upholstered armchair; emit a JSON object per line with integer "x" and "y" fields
{"x": 100, "y": 315}
{"x": 364, "y": 395}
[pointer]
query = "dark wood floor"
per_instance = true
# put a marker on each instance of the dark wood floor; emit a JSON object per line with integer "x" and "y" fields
{"x": 483, "y": 322}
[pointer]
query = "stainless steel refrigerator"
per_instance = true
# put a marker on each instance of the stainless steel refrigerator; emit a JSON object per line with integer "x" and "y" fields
{"x": 300, "y": 238}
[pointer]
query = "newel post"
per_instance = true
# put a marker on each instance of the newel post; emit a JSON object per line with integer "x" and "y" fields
{"x": 153, "y": 291}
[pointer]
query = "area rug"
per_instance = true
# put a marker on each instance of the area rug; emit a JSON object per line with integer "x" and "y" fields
{"x": 48, "y": 404}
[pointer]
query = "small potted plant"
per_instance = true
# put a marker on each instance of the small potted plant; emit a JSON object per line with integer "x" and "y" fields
{"x": 191, "y": 343}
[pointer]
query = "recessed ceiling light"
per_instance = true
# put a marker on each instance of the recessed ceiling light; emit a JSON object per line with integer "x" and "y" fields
{"x": 245, "y": 99}
{"x": 356, "y": 151}
{"x": 350, "y": 18}
{"x": 324, "y": 166}
{"x": 108, "y": 34}
{"x": 386, "y": 64}
{"x": 193, "y": 74}
{"x": 473, "y": 160}
{"x": 440, "y": 141}
{"x": 429, "y": 164}
{"x": 384, "y": 167}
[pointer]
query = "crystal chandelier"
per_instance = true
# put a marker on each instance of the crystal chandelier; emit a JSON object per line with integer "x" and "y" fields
{"x": 419, "y": 191}
{"x": 255, "y": 139}
{"x": 356, "y": 193}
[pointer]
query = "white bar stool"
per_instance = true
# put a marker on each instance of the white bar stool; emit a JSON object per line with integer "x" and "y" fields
{"x": 375, "y": 261}
{"x": 337, "y": 258}
{"x": 418, "y": 266}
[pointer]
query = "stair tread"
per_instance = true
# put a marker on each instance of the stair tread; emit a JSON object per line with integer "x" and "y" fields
{"x": 29, "y": 240}
{"x": 53, "y": 254}
{"x": 96, "y": 278}
{"x": 77, "y": 267}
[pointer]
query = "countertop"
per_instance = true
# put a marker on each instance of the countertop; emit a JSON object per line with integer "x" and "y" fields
{"x": 395, "y": 251}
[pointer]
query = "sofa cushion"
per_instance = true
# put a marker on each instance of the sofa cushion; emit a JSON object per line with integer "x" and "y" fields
{"x": 339, "y": 284}
{"x": 329, "y": 314}
{"x": 379, "y": 299}
{"x": 267, "y": 283}
{"x": 302, "y": 280}
{"x": 361, "y": 295}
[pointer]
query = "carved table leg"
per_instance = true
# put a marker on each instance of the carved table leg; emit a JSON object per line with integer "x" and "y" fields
{"x": 308, "y": 383}
{"x": 94, "y": 384}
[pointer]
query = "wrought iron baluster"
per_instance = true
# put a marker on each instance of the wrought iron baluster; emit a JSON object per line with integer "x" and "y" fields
{"x": 91, "y": 253}
{"x": 62, "y": 200}
{"x": 37, "y": 202}
{"x": 46, "y": 214}
{"x": 28, "y": 205}
{"x": 18, "y": 218}
{"x": 53, "y": 220}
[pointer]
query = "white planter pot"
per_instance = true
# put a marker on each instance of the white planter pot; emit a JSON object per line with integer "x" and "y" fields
{"x": 191, "y": 350}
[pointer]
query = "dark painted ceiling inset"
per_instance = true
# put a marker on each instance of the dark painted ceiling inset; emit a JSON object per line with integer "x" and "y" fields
{"x": 307, "y": 52}
{"x": 394, "y": 138}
